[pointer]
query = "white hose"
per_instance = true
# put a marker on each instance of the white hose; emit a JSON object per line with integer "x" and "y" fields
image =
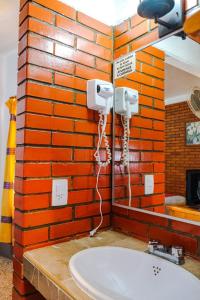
{"x": 102, "y": 135}
{"x": 125, "y": 152}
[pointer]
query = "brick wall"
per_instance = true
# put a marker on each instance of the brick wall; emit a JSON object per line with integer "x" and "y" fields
{"x": 131, "y": 35}
{"x": 179, "y": 156}
{"x": 59, "y": 50}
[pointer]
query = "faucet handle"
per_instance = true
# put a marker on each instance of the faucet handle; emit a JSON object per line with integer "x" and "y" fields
{"x": 177, "y": 251}
{"x": 152, "y": 245}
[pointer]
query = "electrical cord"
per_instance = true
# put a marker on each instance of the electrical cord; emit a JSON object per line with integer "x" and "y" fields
{"x": 125, "y": 152}
{"x": 102, "y": 135}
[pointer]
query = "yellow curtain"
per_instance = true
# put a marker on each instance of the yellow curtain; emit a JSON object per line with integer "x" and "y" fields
{"x": 7, "y": 203}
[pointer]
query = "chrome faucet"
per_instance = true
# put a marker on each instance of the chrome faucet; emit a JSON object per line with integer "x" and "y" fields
{"x": 173, "y": 254}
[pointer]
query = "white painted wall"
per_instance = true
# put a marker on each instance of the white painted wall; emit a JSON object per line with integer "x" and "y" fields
{"x": 8, "y": 87}
{"x": 110, "y": 12}
{"x": 178, "y": 84}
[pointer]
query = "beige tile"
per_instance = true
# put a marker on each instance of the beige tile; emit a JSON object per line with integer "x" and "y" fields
{"x": 47, "y": 268}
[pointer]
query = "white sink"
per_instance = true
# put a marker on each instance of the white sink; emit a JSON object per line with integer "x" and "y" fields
{"x": 116, "y": 273}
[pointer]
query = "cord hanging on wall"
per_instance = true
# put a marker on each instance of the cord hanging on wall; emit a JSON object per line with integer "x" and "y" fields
{"x": 167, "y": 13}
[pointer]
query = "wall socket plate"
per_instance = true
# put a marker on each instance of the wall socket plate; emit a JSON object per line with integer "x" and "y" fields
{"x": 59, "y": 192}
{"x": 148, "y": 184}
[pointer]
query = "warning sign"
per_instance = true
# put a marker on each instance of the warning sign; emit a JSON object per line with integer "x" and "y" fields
{"x": 124, "y": 65}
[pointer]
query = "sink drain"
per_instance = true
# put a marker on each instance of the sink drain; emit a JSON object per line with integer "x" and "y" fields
{"x": 156, "y": 270}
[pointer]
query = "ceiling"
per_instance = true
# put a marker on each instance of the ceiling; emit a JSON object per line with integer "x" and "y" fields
{"x": 183, "y": 54}
{"x": 110, "y": 12}
{"x": 182, "y": 68}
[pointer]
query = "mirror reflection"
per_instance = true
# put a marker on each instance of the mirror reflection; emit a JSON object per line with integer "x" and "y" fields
{"x": 157, "y": 145}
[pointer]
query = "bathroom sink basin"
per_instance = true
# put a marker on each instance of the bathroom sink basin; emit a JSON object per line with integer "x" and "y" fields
{"x": 117, "y": 273}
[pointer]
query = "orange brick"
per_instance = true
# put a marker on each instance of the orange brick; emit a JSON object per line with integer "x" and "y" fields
{"x": 103, "y": 65}
{"x": 22, "y": 43}
{"x": 86, "y": 127}
{"x": 23, "y": 28}
{"x": 144, "y": 57}
{"x": 49, "y": 61}
{"x": 22, "y": 286}
{"x": 31, "y": 237}
{"x": 80, "y": 99}
{"x": 75, "y": 28}
{"x": 82, "y": 196}
{"x": 128, "y": 83}
{"x": 30, "y": 202}
{"x": 33, "y": 170}
{"x": 147, "y": 101}
{"x": 93, "y": 23}
{"x": 84, "y": 182}
{"x": 84, "y": 155}
{"x": 136, "y": 20}
{"x": 130, "y": 35}
{"x": 94, "y": 49}
{"x": 22, "y": 59}
{"x": 33, "y": 186}
{"x": 121, "y": 28}
{"x": 59, "y": 7}
{"x": 51, "y": 32}
{"x": 78, "y": 140}
{"x": 142, "y": 122}
{"x": 36, "y": 106}
{"x": 104, "y": 41}
{"x": 144, "y": 40}
{"x": 70, "y": 228}
{"x": 89, "y": 73}
{"x": 106, "y": 221}
{"x": 36, "y": 12}
{"x": 159, "y": 63}
{"x": 121, "y": 51}
{"x": 73, "y": 169}
{"x": 152, "y": 134}
{"x": 159, "y": 146}
{"x": 71, "y": 111}
{"x": 152, "y": 200}
{"x": 40, "y": 43}
{"x": 155, "y": 52}
{"x": 43, "y": 154}
{"x": 152, "y": 71}
{"x": 49, "y": 92}
{"x": 152, "y": 113}
{"x": 39, "y": 74}
{"x": 159, "y": 125}
{"x": 91, "y": 210}
{"x": 70, "y": 82}
{"x": 141, "y": 78}
{"x": 43, "y": 217}
{"x": 74, "y": 55}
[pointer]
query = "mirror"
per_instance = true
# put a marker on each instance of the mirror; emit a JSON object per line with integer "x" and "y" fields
{"x": 164, "y": 136}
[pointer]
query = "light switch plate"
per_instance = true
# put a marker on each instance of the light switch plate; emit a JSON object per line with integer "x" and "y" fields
{"x": 59, "y": 192}
{"x": 148, "y": 184}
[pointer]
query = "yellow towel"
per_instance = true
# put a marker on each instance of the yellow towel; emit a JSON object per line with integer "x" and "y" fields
{"x": 7, "y": 207}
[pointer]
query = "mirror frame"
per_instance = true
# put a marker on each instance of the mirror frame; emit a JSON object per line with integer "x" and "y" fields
{"x": 113, "y": 147}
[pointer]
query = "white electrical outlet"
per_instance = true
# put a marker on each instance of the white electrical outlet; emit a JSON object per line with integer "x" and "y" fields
{"x": 148, "y": 184}
{"x": 59, "y": 192}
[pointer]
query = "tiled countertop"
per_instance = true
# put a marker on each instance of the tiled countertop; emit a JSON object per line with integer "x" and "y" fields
{"x": 47, "y": 268}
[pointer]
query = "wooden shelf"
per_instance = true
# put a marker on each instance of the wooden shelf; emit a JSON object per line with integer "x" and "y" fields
{"x": 184, "y": 212}
{"x": 192, "y": 26}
